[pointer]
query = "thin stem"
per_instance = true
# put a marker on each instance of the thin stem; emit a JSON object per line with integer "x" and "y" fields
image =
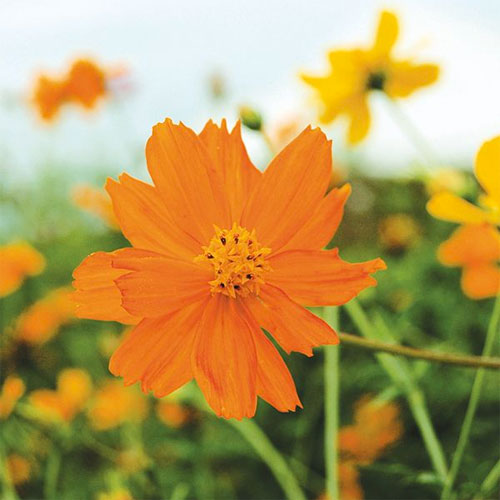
{"x": 270, "y": 456}
{"x": 402, "y": 376}
{"x": 473, "y": 402}
{"x": 410, "y": 352}
{"x": 491, "y": 480}
{"x": 8, "y": 489}
{"x": 407, "y": 126}
{"x": 331, "y": 408}
{"x": 51, "y": 475}
{"x": 264, "y": 448}
{"x": 268, "y": 141}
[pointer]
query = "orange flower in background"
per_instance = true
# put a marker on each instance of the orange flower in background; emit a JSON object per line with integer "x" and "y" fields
{"x": 475, "y": 248}
{"x": 219, "y": 251}
{"x": 448, "y": 206}
{"x": 355, "y": 73}
{"x": 349, "y": 484}
{"x": 74, "y": 388}
{"x": 398, "y": 232}
{"x": 84, "y": 84}
{"x": 41, "y": 321}
{"x": 12, "y": 390}
{"x": 376, "y": 426}
{"x": 114, "y": 404}
{"x": 96, "y": 202}
{"x": 18, "y": 469}
{"x": 17, "y": 261}
{"x": 172, "y": 413}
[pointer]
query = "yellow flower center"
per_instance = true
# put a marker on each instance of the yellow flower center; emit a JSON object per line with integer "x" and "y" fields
{"x": 239, "y": 261}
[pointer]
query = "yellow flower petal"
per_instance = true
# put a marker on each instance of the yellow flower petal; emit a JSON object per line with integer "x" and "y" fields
{"x": 387, "y": 33}
{"x": 449, "y": 207}
{"x": 488, "y": 168}
{"x": 406, "y": 77}
{"x": 359, "y": 114}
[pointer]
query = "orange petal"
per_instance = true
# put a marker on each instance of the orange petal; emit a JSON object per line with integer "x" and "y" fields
{"x": 360, "y": 119}
{"x": 146, "y": 222}
{"x": 293, "y": 326}
{"x": 290, "y": 189}
{"x": 449, "y": 207}
{"x": 488, "y": 168}
{"x": 406, "y": 77}
{"x": 228, "y": 154}
{"x": 320, "y": 229}
{"x": 224, "y": 360}
{"x": 159, "y": 285}
{"x": 321, "y": 277}
{"x": 184, "y": 174}
{"x": 274, "y": 381}
{"x": 471, "y": 244}
{"x": 158, "y": 351}
{"x": 96, "y": 295}
{"x": 387, "y": 33}
{"x": 481, "y": 281}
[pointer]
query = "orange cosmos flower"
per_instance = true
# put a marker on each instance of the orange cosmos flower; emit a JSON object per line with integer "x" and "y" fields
{"x": 448, "y": 206}
{"x": 172, "y": 413}
{"x": 73, "y": 391}
{"x": 49, "y": 95}
{"x": 219, "y": 251}
{"x": 41, "y": 321}
{"x": 349, "y": 484}
{"x": 475, "y": 248}
{"x": 18, "y": 468}
{"x": 377, "y": 425}
{"x": 95, "y": 202}
{"x": 17, "y": 261}
{"x": 84, "y": 84}
{"x": 355, "y": 73}
{"x": 115, "y": 404}
{"x": 12, "y": 390}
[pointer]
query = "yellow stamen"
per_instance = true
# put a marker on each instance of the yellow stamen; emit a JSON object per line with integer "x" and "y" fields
{"x": 238, "y": 260}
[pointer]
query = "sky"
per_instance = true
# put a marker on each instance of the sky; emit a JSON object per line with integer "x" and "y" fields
{"x": 171, "y": 49}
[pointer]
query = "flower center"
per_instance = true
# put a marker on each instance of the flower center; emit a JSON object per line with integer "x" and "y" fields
{"x": 239, "y": 261}
{"x": 376, "y": 80}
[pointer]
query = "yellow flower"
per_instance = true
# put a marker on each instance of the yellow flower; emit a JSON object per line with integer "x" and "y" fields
{"x": 95, "y": 201}
{"x": 116, "y": 494}
{"x": 41, "y": 321}
{"x": 115, "y": 404}
{"x": 354, "y": 73}
{"x": 450, "y": 207}
{"x": 398, "y": 232}
{"x": 446, "y": 179}
{"x": 12, "y": 390}
{"x": 17, "y": 261}
{"x": 19, "y": 469}
{"x": 73, "y": 391}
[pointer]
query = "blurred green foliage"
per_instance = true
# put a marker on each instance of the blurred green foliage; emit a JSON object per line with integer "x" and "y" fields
{"x": 206, "y": 458}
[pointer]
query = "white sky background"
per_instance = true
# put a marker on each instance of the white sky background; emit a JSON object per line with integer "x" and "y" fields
{"x": 172, "y": 47}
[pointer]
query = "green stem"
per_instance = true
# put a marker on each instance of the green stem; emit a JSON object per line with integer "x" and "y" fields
{"x": 491, "y": 480}
{"x": 473, "y": 402}
{"x": 331, "y": 408}
{"x": 270, "y": 456}
{"x": 405, "y": 124}
{"x": 402, "y": 376}
{"x": 51, "y": 475}
{"x": 8, "y": 489}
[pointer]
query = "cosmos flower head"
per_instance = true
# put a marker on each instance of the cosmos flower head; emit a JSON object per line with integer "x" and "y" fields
{"x": 84, "y": 84}
{"x": 221, "y": 251}
{"x": 449, "y": 207}
{"x": 476, "y": 249}
{"x": 356, "y": 73}
{"x": 18, "y": 260}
